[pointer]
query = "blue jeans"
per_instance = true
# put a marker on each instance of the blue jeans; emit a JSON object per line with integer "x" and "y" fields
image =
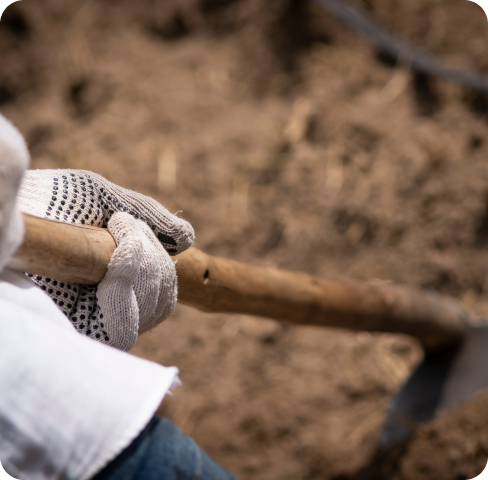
{"x": 162, "y": 452}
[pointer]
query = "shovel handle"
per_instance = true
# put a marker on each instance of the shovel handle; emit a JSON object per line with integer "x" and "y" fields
{"x": 80, "y": 254}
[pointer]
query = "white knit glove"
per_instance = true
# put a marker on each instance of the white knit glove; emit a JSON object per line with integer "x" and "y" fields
{"x": 140, "y": 287}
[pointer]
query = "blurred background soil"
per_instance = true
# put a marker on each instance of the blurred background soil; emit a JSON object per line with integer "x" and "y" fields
{"x": 287, "y": 140}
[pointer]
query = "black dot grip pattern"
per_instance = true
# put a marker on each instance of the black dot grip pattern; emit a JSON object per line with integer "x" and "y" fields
{"x": 78, "y": 199}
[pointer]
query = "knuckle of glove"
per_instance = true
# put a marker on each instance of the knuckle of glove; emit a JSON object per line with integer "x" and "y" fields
{"x": 156, "y": 285}
{"x": 127, "y": 257}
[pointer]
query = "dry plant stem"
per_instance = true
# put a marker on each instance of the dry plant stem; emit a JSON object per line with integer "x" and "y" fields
{"x": 80, "y": 254}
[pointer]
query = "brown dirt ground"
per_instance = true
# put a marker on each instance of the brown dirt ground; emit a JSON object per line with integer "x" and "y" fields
{"x": 286, "y": 141}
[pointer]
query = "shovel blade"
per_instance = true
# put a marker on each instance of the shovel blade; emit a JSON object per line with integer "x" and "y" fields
{"x": 442, "y": 381}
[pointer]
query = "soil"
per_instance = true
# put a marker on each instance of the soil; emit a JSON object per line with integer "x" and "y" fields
{"x": 287, "y": 140}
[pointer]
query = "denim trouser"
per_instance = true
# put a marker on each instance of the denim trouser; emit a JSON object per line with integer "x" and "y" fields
{"x": 162, "y": 452}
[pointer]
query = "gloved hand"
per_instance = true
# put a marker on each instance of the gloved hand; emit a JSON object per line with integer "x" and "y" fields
{"x": 140, "y": 287}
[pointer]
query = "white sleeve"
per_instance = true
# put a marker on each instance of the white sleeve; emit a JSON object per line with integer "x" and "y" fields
{"x": 68, "y": 404}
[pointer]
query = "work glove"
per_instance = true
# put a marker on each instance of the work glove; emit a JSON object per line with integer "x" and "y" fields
{"x": 140, "y": 287}
{"x": 14, "y": 159}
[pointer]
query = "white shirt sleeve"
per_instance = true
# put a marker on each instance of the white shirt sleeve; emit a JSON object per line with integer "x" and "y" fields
{"x": 68, "y": 404}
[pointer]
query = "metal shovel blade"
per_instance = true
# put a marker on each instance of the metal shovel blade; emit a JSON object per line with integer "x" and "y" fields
{"x": 443, "y": 380}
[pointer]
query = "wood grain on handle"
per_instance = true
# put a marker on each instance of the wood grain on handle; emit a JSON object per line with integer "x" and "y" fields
{"x": 73, "y": 253}
{"x": 80, "y": 254}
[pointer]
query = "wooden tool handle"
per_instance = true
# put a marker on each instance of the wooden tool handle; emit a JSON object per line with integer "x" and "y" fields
{"x": 80, "y": 254}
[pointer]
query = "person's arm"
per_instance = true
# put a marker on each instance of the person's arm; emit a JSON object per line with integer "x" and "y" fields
{"x": 68, "y": 404}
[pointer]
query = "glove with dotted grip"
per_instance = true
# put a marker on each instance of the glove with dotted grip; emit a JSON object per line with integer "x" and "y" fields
{"x": 140, "y": 287}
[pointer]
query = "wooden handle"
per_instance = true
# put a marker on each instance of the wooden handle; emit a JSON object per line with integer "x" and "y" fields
{"x": 80, "y": 254}
{"x": 73, "y": 253}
